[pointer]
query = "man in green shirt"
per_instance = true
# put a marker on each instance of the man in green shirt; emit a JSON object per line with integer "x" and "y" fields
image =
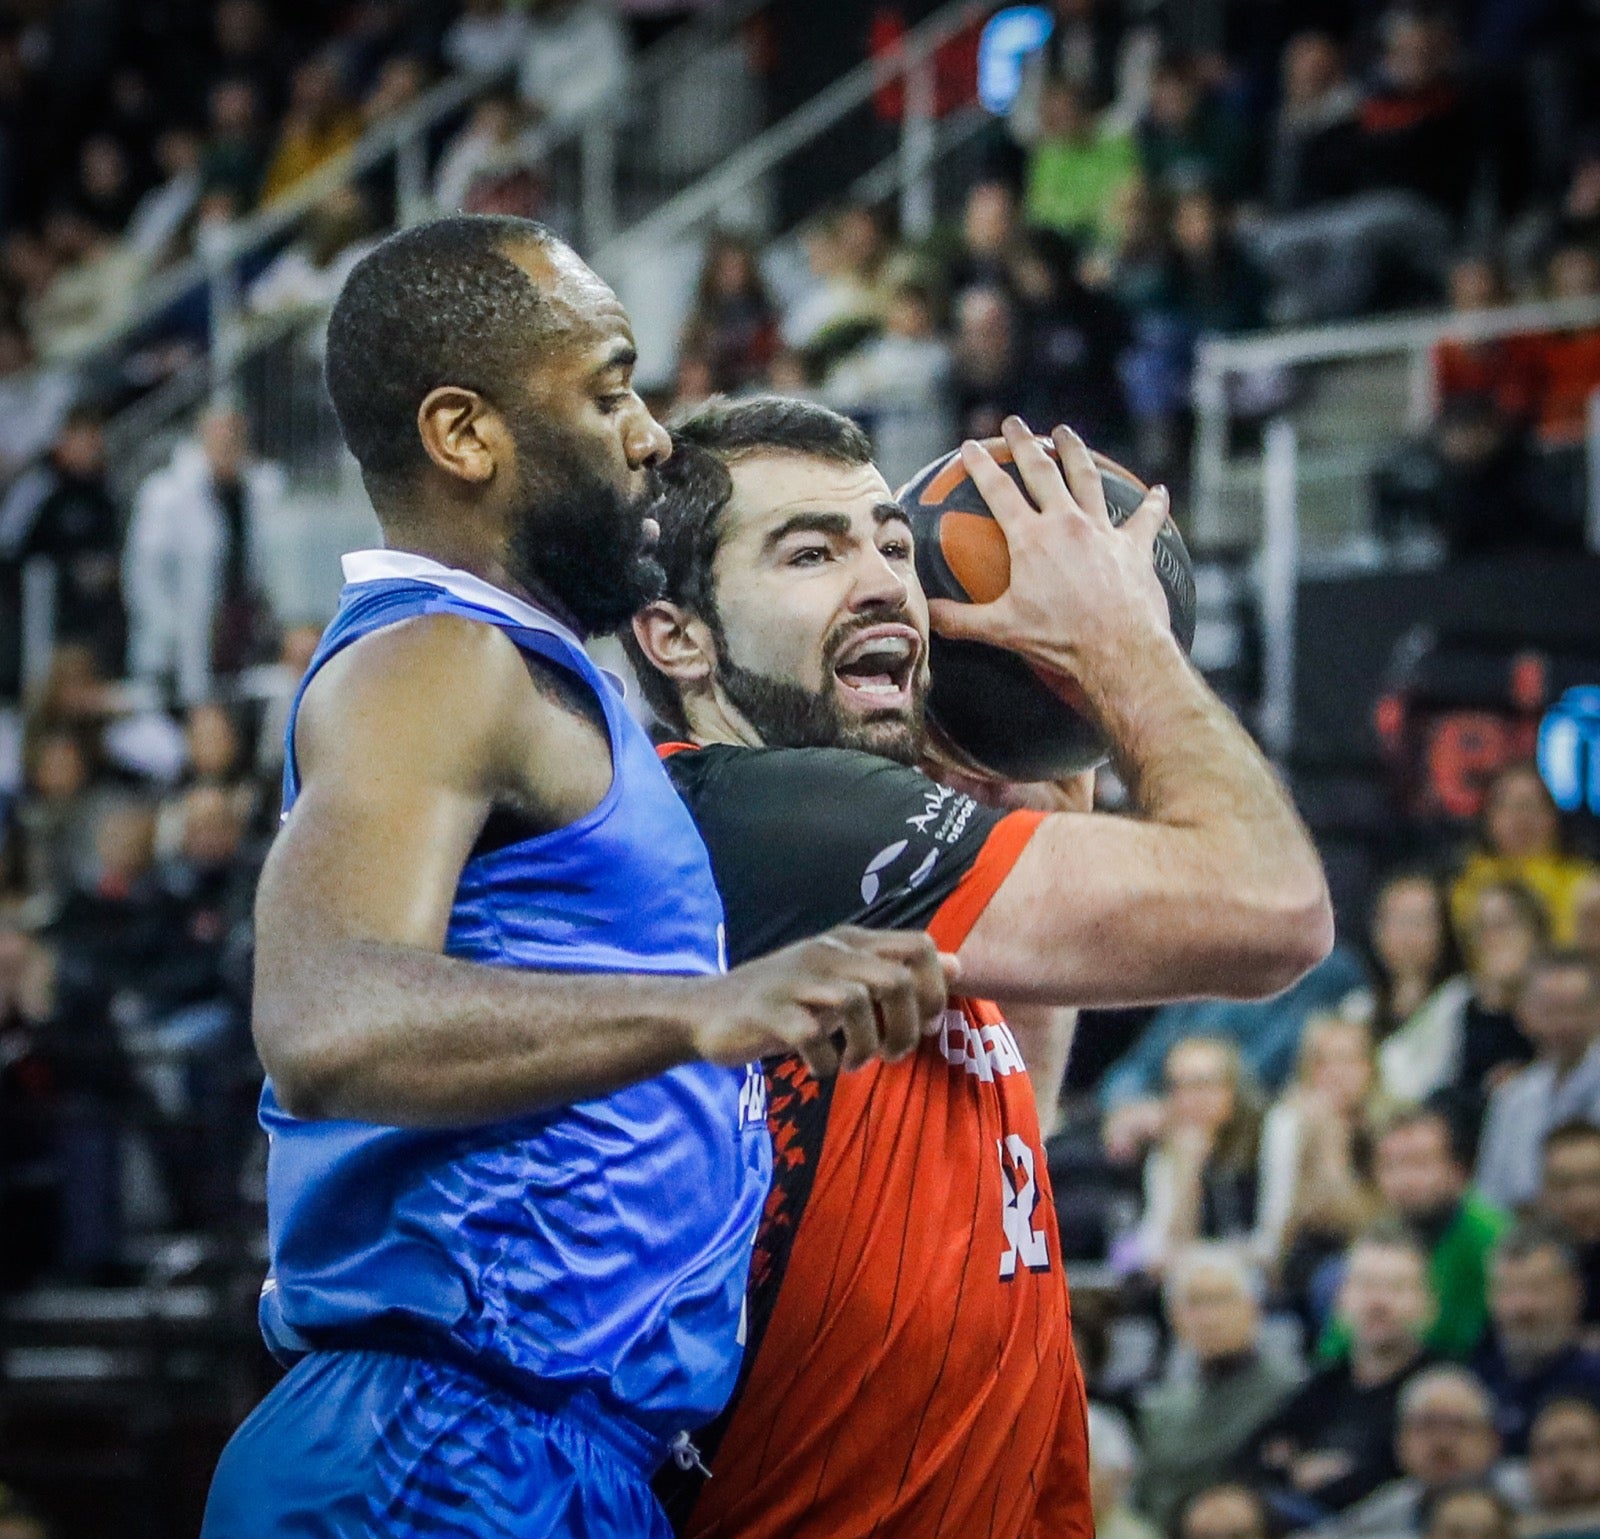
{"x": 1078, "y": 167}
{"x": 1423, "y": 1178}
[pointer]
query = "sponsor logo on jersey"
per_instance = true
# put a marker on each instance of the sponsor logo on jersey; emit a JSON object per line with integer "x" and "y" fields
{"x": 990, "y": 1052}
{"x": 753, "y": 1098}
{"x": 872, "y": 877}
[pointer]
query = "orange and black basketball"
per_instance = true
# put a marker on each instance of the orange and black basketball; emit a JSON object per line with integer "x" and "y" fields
{"x": 991, "y": 703}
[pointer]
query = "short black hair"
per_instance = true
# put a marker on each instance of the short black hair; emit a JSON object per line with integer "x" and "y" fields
{"x": 696, "y": 485}
{"x": 1534, "y": 1233}
{"x": 436, "y": 304}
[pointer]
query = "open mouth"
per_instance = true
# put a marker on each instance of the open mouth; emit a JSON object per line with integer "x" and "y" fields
{"x": 875, "y": 671}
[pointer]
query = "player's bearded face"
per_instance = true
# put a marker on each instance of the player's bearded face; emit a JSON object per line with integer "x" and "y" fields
{"x": 576, "y": 535}
{"x": 786, "y": 713}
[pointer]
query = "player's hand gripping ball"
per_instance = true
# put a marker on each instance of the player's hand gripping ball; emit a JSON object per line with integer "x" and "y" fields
{"x": 991, "y": 703}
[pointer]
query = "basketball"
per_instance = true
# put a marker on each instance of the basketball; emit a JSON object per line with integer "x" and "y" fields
{"x": 990, "y": 703}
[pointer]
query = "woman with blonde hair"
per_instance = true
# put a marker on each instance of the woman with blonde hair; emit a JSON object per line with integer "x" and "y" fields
{"x": 1200, "y": 1175}
{"x": 1316, "y": 1190}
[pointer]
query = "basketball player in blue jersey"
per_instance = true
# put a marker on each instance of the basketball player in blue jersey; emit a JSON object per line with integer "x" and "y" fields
{"x": 518, "y": 1149}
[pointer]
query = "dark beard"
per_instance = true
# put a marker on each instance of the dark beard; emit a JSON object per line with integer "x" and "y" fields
{"x": 579, "y": 539}
{"x": 788, "y": 715}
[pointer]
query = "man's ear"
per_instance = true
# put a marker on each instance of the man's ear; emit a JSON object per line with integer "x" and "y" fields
{"x": 462, "y": 433}
{"x": 676, "y": 642}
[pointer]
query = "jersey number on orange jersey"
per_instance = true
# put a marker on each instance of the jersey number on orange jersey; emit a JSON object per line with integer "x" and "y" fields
{"x": 1023, "y": 1241}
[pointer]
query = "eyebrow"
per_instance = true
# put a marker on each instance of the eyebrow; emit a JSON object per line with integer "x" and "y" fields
{"x": 623, "y": 356}
{"x": 836, "y": 524}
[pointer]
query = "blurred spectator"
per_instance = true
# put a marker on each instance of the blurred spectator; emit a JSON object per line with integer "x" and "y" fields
{"x": 1193, "y": 1424}
{"x": 575, "y": 60}
{"x": 1468, "y": 1512}
{"x": 495, "y": 155}
{"x": 1423, "y": 1179}
{"x": 1446, "y": 1436}
{"x": 29, "y": 1179}
{"x": 1533, "y": 1353}
{"x": 1267, "y": 1033}
{"x": 1571, "y": 366}
{"x": 247, "y": 45}
{"x": 18, "y": 1520}
{"x": 1226, "y": 1511}
{"x": 845, "y": 249}
{"x": 95, "y": 287}
{"x": 1200, "y": 1175}
{"x": 59, "y": 815}
{"x": 991, "y": 227}
{"x": 319, "y": 126}
{"x": 1586, "y": 915}
{"x": 1078, "y": 165}
{"x": 1333, "y": 1442}
{"x": 308, "y": 275}
{"x": 34, "y": 400}
{"x": 1470, "y": 1041}
{"x": 488, "y": 36}
{"x": 1416, "y": 968}
{"x": 1417, "y": 129}
{"x": 899, "y": 384}
{"x": 1475, "y": 483}
{"x": 276, "y": 684}
{"x": 216, "y": 761}
{"x": 401, "y": 81}
{"x": 1216, "y": 286}
{"x": 105, "y": 192}
{"x": 1076, "y": 337}
{"x": 235, "y": 155}
{"x": 733, "y": 324}
{"x": 1564, "y": 1470}
{"x": 62, "y": 514}
{"x": 1317, "y": 1190}
{"x": 1559, "y": 1011}
{"x": 1504, "y": 370}
{"x": 162, "y": 212}
{"x": 1520, "y": 840}
{"x": 1113, "y": 1467}
{"x": 1570, "y": 1195}
{"x": 986, "y": 361}
{"x": 190, "y": 564}
{"x": 1189, "y": 136}
{"x": 1315, "y": 156}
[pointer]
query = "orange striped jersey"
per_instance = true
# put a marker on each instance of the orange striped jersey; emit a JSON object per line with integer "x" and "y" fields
{"x": 909, "y": 1372}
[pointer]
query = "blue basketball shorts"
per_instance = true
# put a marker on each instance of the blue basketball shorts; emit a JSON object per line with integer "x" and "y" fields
{"x": 369, "y": 1443}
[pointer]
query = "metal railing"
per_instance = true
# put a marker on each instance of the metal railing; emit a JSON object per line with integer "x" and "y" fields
{"x": 1300, "y": 453}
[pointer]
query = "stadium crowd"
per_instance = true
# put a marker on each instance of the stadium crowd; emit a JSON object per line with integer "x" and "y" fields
{"x": 1342, "y": 1248}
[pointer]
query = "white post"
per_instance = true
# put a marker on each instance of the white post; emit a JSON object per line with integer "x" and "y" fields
{"x": 227, "y": 332}
{"x": 1279, "y": 572}
{"x": 1592, "y": 444}
{"x": 597, "y": 152}
{"x": 38, "y": 622}
{"x": 918, "y": 141}
{"x": 411, "y": 178}
{"x": 1210, "y": 451}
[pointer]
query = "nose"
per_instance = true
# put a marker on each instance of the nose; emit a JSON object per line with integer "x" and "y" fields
{"x": 877, "y": 584}
{"x": 647, "y": 443}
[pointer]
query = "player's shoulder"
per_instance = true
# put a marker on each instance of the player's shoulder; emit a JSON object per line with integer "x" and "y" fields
{"x": 715, "y": 770}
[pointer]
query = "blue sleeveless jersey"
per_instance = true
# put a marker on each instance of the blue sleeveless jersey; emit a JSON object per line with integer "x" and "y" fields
{"x": 595, "y": 1254}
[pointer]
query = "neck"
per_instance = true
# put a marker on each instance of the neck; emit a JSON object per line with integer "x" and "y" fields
{"x": 1379, "y": 1361}
{"x": 713, "y": 720}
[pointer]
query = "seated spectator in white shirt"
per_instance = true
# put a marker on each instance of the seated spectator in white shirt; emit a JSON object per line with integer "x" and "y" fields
{"x": 1559, "y": 1011}
{"x": 1564, "y": 1470}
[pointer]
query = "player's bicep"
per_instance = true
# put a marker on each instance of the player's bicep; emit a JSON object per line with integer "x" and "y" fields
{"x": 397, "y": 748}
{"x": 1105, "y": 910}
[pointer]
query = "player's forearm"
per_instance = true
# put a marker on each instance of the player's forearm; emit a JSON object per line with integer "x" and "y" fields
{"x": 1232, "y": 832}
{"x": 390, "y": 1034}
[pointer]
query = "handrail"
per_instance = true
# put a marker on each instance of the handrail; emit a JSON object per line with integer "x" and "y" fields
{"x": 1229, "y": 355}
{"x": 680, "y": 214}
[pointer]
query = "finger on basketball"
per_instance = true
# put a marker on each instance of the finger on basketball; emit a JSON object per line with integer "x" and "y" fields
{"x": 1001, "y": 495}
{"x": 1081, "y": 472}
{"x": 967, "y": 622}
{"x": 1040, "y": 474}
{"x": 1150, "y": 517}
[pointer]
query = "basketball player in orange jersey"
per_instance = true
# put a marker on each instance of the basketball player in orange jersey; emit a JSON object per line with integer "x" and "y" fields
{"x": 909, "y": 1372}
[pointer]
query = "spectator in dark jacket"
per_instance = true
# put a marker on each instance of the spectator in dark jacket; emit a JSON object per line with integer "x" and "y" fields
{"x": 1190, "y": 136}
{"x": 1570, "y": 1195}
{"x": 1534, "y": 1354}
{"x": 1315, "y": 155}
